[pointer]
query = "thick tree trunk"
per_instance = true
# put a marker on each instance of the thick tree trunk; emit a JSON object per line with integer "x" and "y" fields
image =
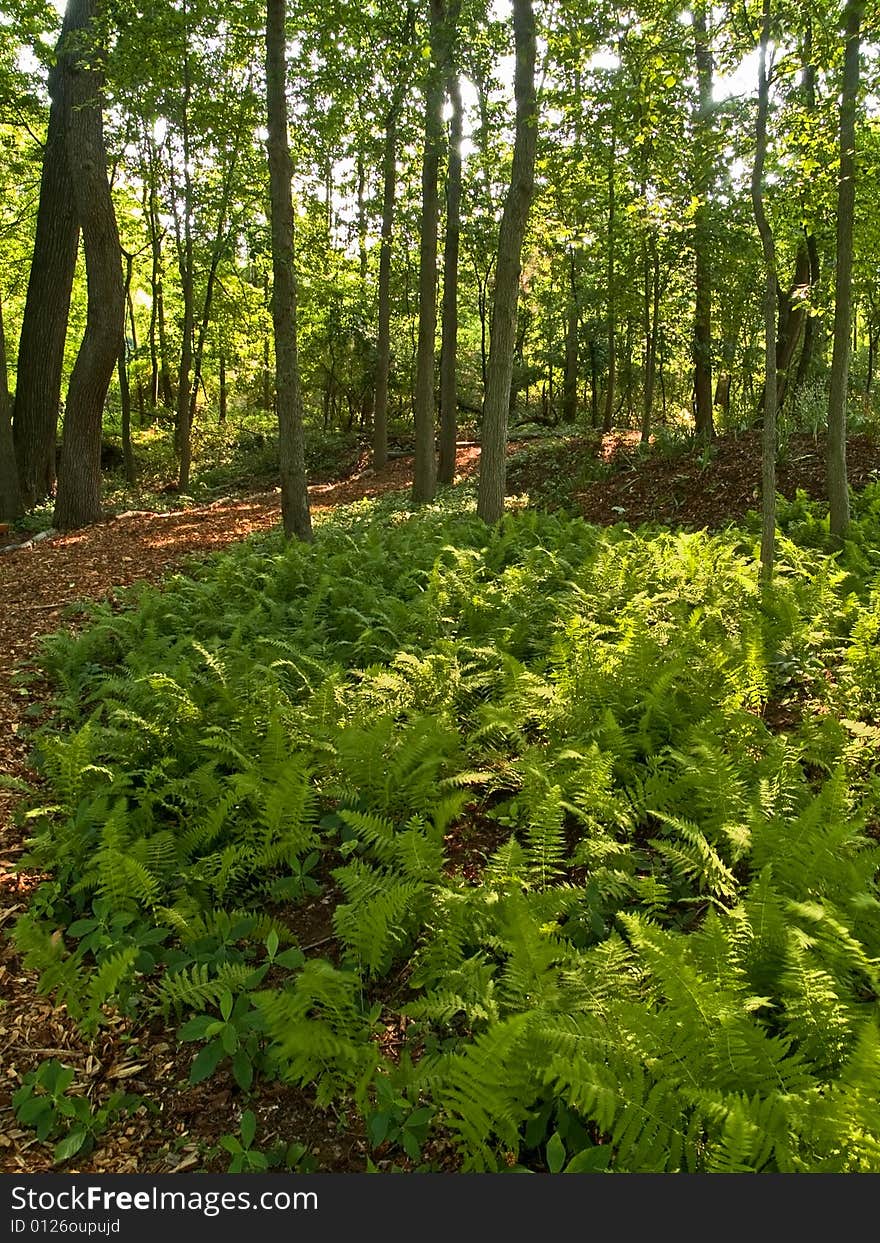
{"x": 383, "y": 333}
{"x": 44, "y": 326}
{"x": 79, "y": 483}
{"x": 768, "y": 460}
{"x": 449, "y": 343}
{"x": 294, "y": 488}
{"x": 838, "y": 490}
{"x": 425, "y": 466}
{"x": 10, "y": 495}
{"x": 493, "y": 458}
{"x": 702, "y": 339}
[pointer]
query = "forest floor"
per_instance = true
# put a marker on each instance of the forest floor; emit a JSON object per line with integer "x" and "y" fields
{"x": 607, "y": 478}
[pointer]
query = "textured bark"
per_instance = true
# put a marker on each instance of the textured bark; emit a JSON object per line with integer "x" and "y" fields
{"x": 702, "y": 338}
{"x": 44, "y": 326}
{"x": 122, "y": 372}
{"x": 570, "y": 375}
{"x": 79, "y": 484}
{"x": 294, "y": 488}
{"x": 383, "y": 334}
{"x": 425, "y": 466}
{"x": 183, "y": 423}
{"x": 611, "y": 385}
{"x": 449, "y": 339}
{"x": 652, "y": 320}
{"x": 493, "y": 457}
{"x": 768, "y": 459}
{"x": 10, "y": 495}
{"x": 838, "y": 490}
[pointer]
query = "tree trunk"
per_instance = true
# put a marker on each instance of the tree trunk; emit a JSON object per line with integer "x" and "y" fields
{"x": 838, "y": 490}
{"x": 224, "y": 392}
{"x": 44, "y": 326}
{"x": 449, "y": 344}
{"x": 493, "y": 458}
{"x": 79, "y": 485}
{"x": 294, "y": 488}
{"x": 383, "y": 334}
{"x": 652, "y": 321}
{"x": 768, "y": 459}
{"x": 10, "y": 495}
{"x": 183, "y": 426}
{"x": 425, "y": 466}
{"x": 611, "y": 387}
{"x": 702, "y": 339}
{"x": 570, "y": 378}
{"x": 124, "y": 386}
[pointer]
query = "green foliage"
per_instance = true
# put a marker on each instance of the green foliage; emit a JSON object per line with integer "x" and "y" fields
{"x": 591, "y": 908}
{"x": 44, "y": 1103}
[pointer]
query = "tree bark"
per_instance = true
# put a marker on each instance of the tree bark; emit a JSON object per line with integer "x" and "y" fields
{"x": 768, "y": 459}
{"x": 124, "y": 386}
{"x": 425, "y": 466}
{"x": 44, "y": 326}
{"x": 10, "y": 495}
{"x": 838, "y": 490}
{"x": 449, "y": 340}
{"x": 383, "y": 334}
{"x": 611, "y": 388}
{"x": 702, "y": 338}
{"x": 493, "y": 458}
{"x": 294, "y": 488}
{"x": 183, "y": 426}
{"x": 570, "y": 376}
{"x": 79, "y": 484}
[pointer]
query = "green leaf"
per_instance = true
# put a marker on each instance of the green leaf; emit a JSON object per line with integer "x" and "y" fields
{"x": 590, "y": 1160}
{"x": 555, "y": 1153}
{"x": 70, "y": 1145}
{"x": 229, "y": 1038}
{"x": 243, "y": 1070}
{"x": 205, "y": 1062}
{"x": 196, "y": 1029}
{"x": 248, "y": 1127}
{"x": 225, "y": 1004}
{"x": 272, "y": 943}
{"x": 291, "y": 959}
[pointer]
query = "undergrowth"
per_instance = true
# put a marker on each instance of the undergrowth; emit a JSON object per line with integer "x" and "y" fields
{"x": 663, "y": 953}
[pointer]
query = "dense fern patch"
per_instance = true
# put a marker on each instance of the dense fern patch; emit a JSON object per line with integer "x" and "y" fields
{"x": 669, "y": 957}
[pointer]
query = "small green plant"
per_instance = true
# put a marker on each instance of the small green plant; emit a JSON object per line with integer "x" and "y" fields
{"x": 236, "y": 1035}
{"x": 244, "y": 1158}
{"x": 44, "y": 1103}
{"x": 394, "y": 1121}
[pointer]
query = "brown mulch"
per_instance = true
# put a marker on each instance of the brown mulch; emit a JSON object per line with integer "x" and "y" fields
{"x": 683, "y": 491}
{"x": 39, "y": 582}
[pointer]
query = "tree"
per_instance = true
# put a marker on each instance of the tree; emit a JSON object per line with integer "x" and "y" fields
{"x": 425, "y": 470}
{"x": 10, "y": 496}
{"x": 838, "y": 491}
{"x": 44, "y": 326}
{"x": 493, "y": 457}
{"x": 295, "y": 513}
{"x": 702, "y": 340}
{"x": 449, "y": 343}
{"x": 79, "y": 486}
{"x": 768, "y": 458}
